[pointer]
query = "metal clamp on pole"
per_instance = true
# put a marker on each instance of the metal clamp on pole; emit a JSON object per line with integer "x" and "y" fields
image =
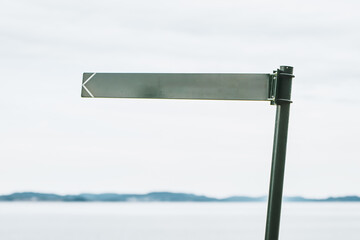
{"x": 283, "y": 85}
{"x": 282, "y": 98}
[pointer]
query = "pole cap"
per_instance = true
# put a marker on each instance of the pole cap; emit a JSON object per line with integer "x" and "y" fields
{"x": 287, "y": 69}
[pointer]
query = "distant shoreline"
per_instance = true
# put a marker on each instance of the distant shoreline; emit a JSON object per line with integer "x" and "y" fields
{"x": 153, "y": 197}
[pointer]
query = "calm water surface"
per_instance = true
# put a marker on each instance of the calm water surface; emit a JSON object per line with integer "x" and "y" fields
{"x": 175, "y": 221}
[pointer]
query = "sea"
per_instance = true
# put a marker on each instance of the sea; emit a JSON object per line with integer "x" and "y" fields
{"x": 174, "y": 221}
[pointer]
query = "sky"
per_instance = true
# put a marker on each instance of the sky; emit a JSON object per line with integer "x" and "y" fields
{"x": 52, "y": 140}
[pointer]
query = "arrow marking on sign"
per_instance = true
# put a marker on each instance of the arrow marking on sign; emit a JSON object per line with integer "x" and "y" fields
{"x": 87, "y": 80}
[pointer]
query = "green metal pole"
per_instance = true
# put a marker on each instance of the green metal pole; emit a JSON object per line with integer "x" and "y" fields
{"x": 282, "y": 101}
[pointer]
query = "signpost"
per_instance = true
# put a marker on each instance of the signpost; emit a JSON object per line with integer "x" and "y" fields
{"x": 274, "y": 87}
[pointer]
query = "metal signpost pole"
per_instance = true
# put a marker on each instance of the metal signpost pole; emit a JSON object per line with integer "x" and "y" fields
{"x": 282, "y": 101}
{"x": 214, "y": 86}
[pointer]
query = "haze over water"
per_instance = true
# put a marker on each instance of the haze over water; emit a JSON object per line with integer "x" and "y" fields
{"x": 174, "y": 221}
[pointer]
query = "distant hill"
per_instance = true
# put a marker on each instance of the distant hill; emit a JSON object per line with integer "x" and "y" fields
{"x": 154, "y": 197}
{"x": 149, "y": 197}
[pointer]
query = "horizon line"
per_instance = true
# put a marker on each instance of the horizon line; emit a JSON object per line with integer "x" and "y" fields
{"x": 258, "y": 197}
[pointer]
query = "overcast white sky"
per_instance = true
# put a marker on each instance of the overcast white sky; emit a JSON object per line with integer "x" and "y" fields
{"x": 53, "y": 141}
